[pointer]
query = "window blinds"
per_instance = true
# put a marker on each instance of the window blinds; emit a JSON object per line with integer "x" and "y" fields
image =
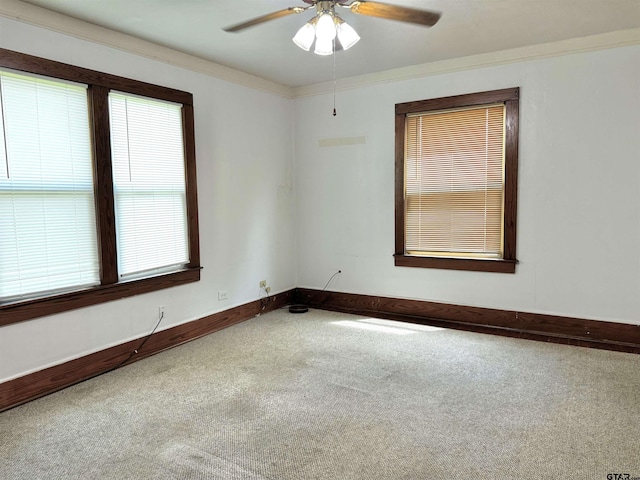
{"x": 47, "y": 219}
{"x": 454, "y": 182}
{"x": 149, "y": 184}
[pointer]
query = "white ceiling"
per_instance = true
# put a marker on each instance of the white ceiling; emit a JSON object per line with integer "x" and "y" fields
{"x": 467, "y": 27}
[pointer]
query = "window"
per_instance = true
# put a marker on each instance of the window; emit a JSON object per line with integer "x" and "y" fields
{"x": 97, "y": 187}
{"x": 456, "y": 175}
{"x": 47, "y": 227}
{"x": 148, "y": 183}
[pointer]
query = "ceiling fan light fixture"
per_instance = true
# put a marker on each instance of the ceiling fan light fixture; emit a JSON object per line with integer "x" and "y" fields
{"x": 327, "y": 30}
{"x": 326, "y": 27}
{"x": 347, "y": 36}
{"x": 305, "y": 36}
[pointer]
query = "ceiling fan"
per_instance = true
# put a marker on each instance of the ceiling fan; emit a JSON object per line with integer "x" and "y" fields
{"x": 330, "y": 32}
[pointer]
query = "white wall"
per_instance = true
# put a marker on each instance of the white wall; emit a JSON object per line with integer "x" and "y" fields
{"x": 579, "y": 196}
{"x": 579, "y": 189}
{"x": 244, "y": 163}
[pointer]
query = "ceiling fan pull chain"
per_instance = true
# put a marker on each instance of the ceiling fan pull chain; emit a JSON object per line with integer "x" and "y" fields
{"x": 334, "y": 78}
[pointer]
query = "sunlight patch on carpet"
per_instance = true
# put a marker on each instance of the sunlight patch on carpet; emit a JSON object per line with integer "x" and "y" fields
{"x": 386, "y": 326}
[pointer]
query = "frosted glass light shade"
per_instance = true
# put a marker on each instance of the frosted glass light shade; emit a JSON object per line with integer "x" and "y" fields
{"x": 324, "y": 46}
{"x": 326, "y": 27}
{"x": 347, "y": 35}
{"x": 323, "y": 29}
{"x": 305, "y": 36}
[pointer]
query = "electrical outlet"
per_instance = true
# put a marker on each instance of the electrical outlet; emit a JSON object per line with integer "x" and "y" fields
{"x": 161, "y": 311}
{"x": 223, "y": 294}
{"x": 267, "y": 289}
{"x": 263, "y": 283}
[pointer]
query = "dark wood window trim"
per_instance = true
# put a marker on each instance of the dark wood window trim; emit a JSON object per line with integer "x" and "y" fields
{"x": 110, "y": 288}
{"x": 510, "y": 98}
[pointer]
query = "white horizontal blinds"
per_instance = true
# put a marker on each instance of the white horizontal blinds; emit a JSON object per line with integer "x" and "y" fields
{"x": 47, "y": 214}
{"x": 454, "y": 182}
{"x": 149, "y": 184}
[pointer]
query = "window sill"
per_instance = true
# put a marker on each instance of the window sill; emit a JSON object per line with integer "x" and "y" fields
{"x": 29, "y": 309}
{"x": 471, "y": 264}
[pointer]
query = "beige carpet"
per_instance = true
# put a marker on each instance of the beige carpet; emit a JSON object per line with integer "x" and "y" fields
{"x": 332, "y": 396}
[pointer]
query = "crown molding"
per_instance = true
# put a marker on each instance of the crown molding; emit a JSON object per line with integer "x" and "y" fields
{"x": 57, "y": 22}
{"x": 41, "y": 17}
{"x": 620, "y": 38}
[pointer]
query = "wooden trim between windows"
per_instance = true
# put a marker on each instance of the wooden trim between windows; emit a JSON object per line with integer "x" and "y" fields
{"x": 35, "y": 385}
{"x": 105, "y": 210}
{"x": 532, "y": 326}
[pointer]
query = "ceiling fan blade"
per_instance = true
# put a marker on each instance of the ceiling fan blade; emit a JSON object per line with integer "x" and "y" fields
{"x": 427, "y": 18}
{"x": 265, "y": 18}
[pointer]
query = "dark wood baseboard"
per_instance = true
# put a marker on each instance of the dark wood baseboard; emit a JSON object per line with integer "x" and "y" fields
{"x": 533, "y": 326}
{"x": 565, "y": 330}
{"x": 37, "y": 384}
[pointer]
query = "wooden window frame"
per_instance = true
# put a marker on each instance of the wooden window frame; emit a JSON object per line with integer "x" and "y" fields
{"x": 507, "y": 264}
{"x": 110, "y": 288}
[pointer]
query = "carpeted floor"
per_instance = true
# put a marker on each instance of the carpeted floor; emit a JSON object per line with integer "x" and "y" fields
{"x": 332, "y": 396}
